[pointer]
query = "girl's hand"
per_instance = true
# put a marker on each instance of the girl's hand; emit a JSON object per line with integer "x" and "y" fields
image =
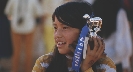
{"x": 92, "y": 55}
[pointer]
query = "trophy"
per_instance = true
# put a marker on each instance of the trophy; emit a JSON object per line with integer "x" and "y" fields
{"x": 94, "y": 25}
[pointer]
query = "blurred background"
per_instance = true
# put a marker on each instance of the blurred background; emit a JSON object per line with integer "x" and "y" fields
{"x": 26, "y": 31}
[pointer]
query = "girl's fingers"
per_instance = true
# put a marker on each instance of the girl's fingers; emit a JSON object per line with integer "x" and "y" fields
{"x": 95, "y": 54}
{"x": 103, "y": 47}
{"x": 96, "y": 45}
{"x": 100, "y": 45}
{"x": 88, "y": 49}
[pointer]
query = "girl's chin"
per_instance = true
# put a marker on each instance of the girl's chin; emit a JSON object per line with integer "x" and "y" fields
{"x": 65, "y": 52}
{"x": 62, "y": 52}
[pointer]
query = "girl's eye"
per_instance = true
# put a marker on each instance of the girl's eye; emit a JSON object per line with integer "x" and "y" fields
{"x": 55, "y": 28}
{"x": 65, "y": 27}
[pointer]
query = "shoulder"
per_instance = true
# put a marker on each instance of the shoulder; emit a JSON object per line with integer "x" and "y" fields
{"x": 106, "y": 64}
{"x": 42, "y": 62}
{"x": 45, "y": 58}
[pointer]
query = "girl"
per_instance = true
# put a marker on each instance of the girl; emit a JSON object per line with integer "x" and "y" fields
{"x": 68, "y": 22}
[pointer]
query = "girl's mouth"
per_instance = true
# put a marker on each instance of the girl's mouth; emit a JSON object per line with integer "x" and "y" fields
{"x": 60, "y": 44}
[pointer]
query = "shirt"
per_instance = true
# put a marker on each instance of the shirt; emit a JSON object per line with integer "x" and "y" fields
{"x": 28, "y": 9}
{"x": 105, "y": 64}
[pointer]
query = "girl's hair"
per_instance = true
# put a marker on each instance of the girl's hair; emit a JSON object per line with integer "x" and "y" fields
{"x": 70, "y": 14}
{"x": 58, "y": 62}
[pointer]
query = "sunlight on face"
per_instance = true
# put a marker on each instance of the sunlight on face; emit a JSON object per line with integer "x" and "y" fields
{"x": 64, "y": 35}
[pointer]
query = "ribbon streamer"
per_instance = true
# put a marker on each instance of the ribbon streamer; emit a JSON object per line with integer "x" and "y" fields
{"x": 78, "y": 54}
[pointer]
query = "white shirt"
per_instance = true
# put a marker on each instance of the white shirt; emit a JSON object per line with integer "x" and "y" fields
{"x": 30, "y": 12}
{"x": 119, "y": 45}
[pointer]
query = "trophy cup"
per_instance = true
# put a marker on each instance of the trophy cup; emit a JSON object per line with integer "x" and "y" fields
{"x": 94, "y": 25}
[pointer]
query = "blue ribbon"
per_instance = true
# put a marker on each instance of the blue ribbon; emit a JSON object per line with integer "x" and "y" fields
{"x": 78, "y": 54}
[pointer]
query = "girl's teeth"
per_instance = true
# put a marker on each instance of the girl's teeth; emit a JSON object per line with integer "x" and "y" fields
{"x": 60, "y": 43}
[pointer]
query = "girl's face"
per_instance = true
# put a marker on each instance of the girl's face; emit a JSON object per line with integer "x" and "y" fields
{"x": 63, "y": 36}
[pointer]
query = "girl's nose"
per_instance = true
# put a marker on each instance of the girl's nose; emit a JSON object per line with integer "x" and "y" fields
{"x": 58, "y": 33}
